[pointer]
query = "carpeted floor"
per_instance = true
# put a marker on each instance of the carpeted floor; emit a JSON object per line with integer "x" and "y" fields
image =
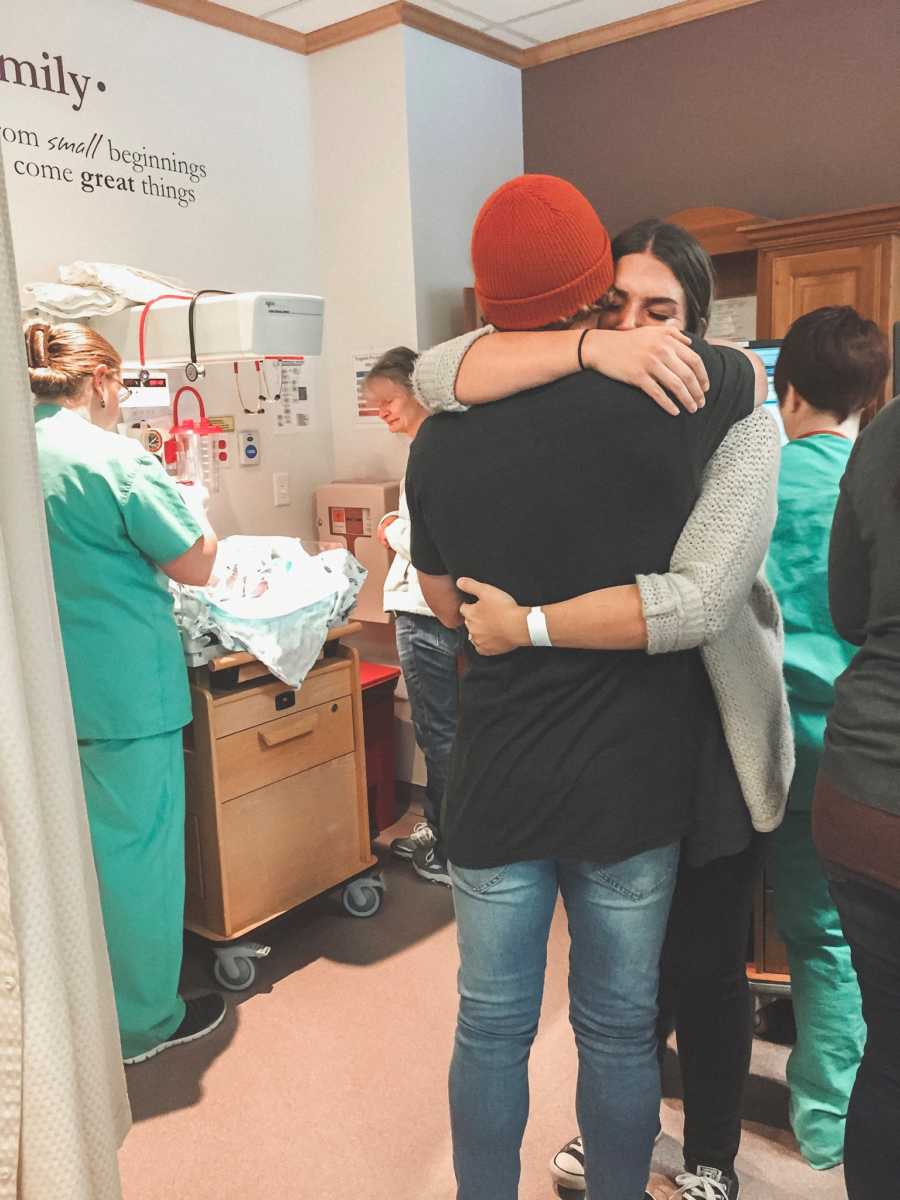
{"x": 328, "y": 1078}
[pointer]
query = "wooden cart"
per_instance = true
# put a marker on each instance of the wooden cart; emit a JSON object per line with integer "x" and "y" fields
{"x": 277, "y": 808}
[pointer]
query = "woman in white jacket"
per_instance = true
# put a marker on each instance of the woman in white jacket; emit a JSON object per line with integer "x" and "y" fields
{"x": 428, "y": 651}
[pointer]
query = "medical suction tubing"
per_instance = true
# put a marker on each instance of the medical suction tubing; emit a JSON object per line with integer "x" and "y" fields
{"x": 190, "y": 448}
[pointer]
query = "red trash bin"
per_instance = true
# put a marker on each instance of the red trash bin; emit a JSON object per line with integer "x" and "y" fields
{"x": 378, "y": 683}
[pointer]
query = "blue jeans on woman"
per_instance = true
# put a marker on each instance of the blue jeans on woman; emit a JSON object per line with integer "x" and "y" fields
{"x": 617, "y": 920}
{"x": 428, "y": 653}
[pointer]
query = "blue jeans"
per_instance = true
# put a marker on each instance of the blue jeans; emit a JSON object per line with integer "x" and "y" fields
{"x": 617, "y": 920}
{"x": 428, "y": 652}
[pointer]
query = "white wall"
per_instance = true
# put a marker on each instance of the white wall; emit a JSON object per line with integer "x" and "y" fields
{"x": 362, "y": 176}
{"x": 240, "y": 108}
{"x": 355, "y": 173}
{"x": 464, "y": 113}
{"x": 411, "y": 135}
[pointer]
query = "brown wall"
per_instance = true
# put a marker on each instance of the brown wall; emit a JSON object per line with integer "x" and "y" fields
{"x": 783, "y": 108}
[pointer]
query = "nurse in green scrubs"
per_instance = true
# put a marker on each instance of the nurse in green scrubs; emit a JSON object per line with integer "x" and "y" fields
{"x": 831, "y": 365}
{"x": 117, "y": 525}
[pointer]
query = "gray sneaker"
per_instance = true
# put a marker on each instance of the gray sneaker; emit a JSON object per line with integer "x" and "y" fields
{"x": 202, "y": 1015}
{"x": 423, "y": 834}
{"x": 428, "y": 864}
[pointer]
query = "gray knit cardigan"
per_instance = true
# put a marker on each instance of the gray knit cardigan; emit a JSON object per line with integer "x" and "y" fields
{"x": 715, "y": 594}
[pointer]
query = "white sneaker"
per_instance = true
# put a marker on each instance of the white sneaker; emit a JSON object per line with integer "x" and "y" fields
{"x": 567, "y": 1164}
{"x": 708, "y": 1183}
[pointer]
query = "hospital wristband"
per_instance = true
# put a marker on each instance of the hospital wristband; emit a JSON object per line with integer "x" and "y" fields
{"x": 537, "y": 627}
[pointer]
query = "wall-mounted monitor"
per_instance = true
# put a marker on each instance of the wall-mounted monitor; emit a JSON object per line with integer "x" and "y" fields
{"x": 768, "y": 351}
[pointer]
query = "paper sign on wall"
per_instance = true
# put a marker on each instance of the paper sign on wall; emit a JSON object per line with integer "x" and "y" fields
{"x": 293, "y": 409}
{"x": 362, "y": 365}
{"x": 733, "y": 319}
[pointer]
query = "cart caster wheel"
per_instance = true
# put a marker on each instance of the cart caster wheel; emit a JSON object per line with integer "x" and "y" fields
{"x": 234, "y": 973}
{"x": 362, "y": 899}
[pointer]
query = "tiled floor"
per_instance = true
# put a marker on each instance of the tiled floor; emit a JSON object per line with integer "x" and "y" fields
{"x": 328, "y": 1079}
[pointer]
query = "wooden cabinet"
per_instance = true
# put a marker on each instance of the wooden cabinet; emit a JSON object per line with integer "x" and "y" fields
{"x": 277, "y": 806}
{"x": 837, "y": 258}
{"x": 768, "y": 968}
{"x": 803, "y": 263}
{"x": 799, "y": 281}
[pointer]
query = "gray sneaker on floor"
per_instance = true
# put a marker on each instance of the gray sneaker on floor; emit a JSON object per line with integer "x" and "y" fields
{"x": 428, "y": 864}
{"x": 423, "y": 834}
{"x": 202, "y": 1015}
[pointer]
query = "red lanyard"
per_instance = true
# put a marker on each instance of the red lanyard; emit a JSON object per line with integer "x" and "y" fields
{"x": 819, "y": 432}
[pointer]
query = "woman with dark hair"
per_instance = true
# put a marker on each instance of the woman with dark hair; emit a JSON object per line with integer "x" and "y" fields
{"x": 715, "y": 597}
{"x": 856, "y": 811}
{"x": 832, "y": 364}
{"x": 682, "y": 254}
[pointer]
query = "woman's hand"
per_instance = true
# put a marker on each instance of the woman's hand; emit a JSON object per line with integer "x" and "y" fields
{"x": 380, "y": 532}
{"x": 196, "y": 497}
{"x": 496, "y": 624}
{"x": 655, "y": 358}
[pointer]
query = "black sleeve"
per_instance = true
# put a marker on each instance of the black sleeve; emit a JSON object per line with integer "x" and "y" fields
{"x": 848, "y": 571}
{"x": 425, "y": 554}
{"x": 731, "y": 396}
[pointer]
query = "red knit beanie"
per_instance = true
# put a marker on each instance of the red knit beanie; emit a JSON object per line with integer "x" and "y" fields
{"x": 540, "y": 253}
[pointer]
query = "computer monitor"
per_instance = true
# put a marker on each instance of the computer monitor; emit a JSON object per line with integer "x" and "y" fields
{"x": 768, "y": 351}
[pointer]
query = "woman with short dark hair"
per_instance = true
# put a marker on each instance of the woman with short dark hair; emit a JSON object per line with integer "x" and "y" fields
{"x": 832, "y": 364}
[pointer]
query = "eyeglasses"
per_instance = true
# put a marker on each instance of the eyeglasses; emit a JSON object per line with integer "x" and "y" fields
{"x": 124, "y": 393}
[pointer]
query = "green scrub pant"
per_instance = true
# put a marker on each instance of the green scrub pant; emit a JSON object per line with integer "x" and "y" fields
{"x": 831, "y": 1032}
{"x": 135, "y": 803}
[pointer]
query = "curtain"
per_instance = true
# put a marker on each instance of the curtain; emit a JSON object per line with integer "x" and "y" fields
{"x": 63, "y": 1105}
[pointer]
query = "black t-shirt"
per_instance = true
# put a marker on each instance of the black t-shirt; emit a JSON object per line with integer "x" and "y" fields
{"x": 579, "y": 485}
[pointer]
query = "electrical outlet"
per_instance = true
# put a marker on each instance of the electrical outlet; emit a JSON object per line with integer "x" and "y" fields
{"x": 248, "y": 443}
{"x": 281, "y": 488}
{"x": 224, "y": 449}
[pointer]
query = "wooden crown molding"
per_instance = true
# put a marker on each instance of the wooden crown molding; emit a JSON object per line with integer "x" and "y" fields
{"x": 631, "y": 27}
{"x": 825, "y": 227}
{"x": 354, "y": 28}
{"x": 235, "y": 22}
{"x": 718, "y": 230}
{"x": 412, "y": 16}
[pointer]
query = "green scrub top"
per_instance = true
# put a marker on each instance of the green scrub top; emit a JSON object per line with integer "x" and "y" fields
{"x": 112, "y": 514}
{"x": 797, "y": 568}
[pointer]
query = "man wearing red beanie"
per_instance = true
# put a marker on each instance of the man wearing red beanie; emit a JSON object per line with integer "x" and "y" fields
{"x": 574, "y": 770}
{"x": 540, "y": 253}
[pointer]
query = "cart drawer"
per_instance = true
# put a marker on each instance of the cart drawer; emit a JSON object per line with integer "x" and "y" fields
{"x": 231, "y": 714}
{"x": 255, "y": 757}
{"x": 290, "y": 841}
